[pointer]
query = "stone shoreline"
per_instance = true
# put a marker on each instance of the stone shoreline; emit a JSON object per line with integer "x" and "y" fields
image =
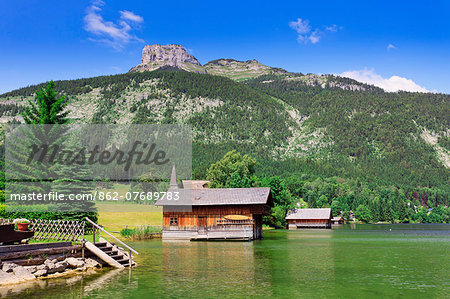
{"x": 11, "y": 273}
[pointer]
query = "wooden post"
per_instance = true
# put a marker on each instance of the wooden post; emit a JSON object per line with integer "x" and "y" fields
{"x": 93, "y": 234}
{"x": 129, "y": 258}
{"x": 82, "y": 250}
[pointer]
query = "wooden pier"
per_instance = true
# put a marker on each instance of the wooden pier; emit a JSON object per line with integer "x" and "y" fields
{"x": 35, "y": 254}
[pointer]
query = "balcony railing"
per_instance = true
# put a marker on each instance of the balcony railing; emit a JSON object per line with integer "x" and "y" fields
{"x": 235, "y": 222}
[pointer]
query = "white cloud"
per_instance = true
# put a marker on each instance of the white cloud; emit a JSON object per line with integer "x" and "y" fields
{"x": 391, "y": 47}
{"x": 305, "y": 33}
{"x": 332, "y": 28}
{"x": 302, "y": 28}
{"x": 394, "y": 83}
{"x": 315, "y": 36}
{"x": 116, "y": 34}
{"x": 128, "y": 15}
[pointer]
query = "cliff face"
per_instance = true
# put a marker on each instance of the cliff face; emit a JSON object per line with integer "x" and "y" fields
{"x": 173, "y": 55}
{"x": 157, "y": 56}
{"x": 240, "y": 70}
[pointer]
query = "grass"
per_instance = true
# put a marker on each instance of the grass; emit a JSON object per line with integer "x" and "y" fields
{"x": 34, "y": 241}
{"x": 117, "y": 215}
{"x": 266, "y": 227}
{"x": 121, "y": 207}
{"x": 116, "y": 221}
{"x": 121, "y": 189}
{"x": 86, "y": 237}
{"x": 141, "y": 232}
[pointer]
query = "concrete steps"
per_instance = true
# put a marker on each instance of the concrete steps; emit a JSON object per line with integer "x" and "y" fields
{"x": 110, "y": 254}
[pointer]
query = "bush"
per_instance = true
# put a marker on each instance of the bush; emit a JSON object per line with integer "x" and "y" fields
{"x": 435, "y": 218}
{"x": 363, "y": 213}
{"x": 126, "y": 232}
{"x": 21, "y": 220}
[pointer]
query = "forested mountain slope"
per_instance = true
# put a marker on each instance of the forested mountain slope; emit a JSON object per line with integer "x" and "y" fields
{"x": 402, "y": 135}
{"x": 306, "y": 126}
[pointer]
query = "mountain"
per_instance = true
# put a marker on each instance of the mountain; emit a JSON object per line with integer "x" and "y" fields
{"x": 310, "y": 126}
{"x": 175, "y": 56}
{"x": 240, "y": 70}
{"x": 158, "y": 56}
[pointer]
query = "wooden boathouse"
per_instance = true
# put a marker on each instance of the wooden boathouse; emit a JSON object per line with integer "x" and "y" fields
{"x": 208, "y": 214}
{"x": 337, "y": 220}
{"x": 309, "y": 218}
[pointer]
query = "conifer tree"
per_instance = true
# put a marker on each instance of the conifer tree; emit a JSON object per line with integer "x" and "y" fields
{"x": 47, "y": 125}
{"x": 47, "y": 108}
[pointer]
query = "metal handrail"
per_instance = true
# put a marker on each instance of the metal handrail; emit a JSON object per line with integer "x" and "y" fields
{"x": 102, "y": 229}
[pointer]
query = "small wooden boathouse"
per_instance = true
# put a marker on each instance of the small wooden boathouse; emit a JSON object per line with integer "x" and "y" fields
{"x": 208, "y": 214}
{"x": 309, "y": 218}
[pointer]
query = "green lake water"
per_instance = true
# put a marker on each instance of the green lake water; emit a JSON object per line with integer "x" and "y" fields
{"x": 368, "y": 261}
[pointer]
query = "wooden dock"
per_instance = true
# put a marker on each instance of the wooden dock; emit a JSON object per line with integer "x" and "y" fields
{"x": 35, "y": 254}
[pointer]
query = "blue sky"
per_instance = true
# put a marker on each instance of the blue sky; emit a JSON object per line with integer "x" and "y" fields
{"x": 43, "y": 40}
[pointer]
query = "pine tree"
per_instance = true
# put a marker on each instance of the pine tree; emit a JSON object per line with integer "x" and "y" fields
{"x": 47, "y": 108}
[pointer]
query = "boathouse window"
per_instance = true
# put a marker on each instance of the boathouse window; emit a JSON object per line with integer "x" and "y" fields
{"x": 174, "y": 221}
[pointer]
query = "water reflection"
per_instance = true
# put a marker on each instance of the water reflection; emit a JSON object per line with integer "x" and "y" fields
{"x": 368, "y": 261}
{"x": 217, "y": 267}
{"x": 302, "y": 262}
{"x": 110, "y": 277}
{"x": 406, "y": 259}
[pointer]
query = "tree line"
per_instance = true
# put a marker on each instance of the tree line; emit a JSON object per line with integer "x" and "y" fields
{"x": 369, "y": 202}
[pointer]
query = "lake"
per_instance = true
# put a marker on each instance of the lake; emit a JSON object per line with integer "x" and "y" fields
{"x": 401, "y": 260}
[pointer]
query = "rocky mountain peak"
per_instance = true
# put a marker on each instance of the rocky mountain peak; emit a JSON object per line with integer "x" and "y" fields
{"x": 157, "y": 56}
{"x": 172, "y": 55}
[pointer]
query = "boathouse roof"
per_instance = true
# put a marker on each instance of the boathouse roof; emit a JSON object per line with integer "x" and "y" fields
{"x": 221, "y": 196}
{"x": 307, "y": 214}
